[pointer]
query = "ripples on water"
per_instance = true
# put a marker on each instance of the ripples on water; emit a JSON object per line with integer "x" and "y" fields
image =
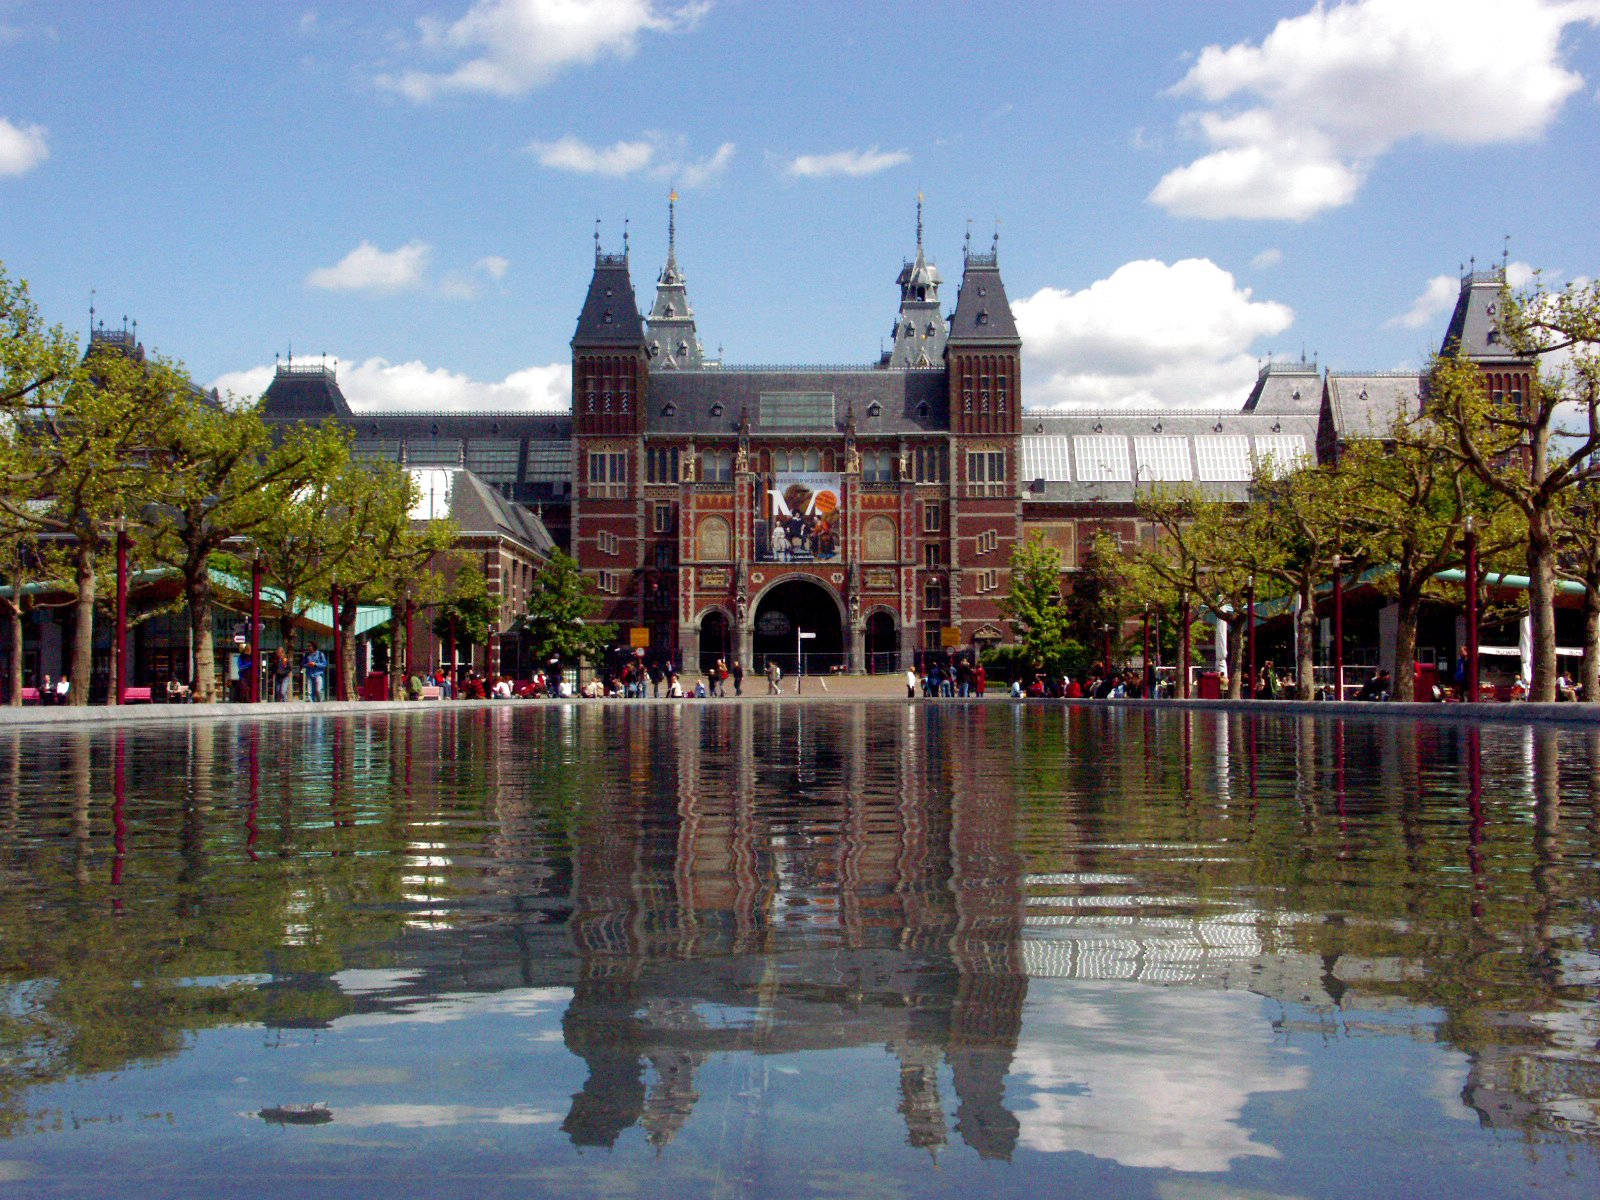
{"x": 799, "y": 950}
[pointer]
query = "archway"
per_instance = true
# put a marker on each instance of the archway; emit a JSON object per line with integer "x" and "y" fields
{"x": 883, "y": 644}
{"x": 795, "y": 605}
{"x": 716, "y": 640}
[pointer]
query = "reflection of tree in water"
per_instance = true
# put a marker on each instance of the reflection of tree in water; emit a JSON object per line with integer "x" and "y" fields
{"x": 786, "y": 880}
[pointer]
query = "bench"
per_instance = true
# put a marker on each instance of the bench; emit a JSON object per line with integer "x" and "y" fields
{"x": 136, "y": 695}
{"x": 433, "y": 693}
{"x": 30, "y": 695}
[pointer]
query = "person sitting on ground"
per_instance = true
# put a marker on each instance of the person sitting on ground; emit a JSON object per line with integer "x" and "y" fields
{"x": 1016, "y": 689}
{"x": 1375, "y": 688}
{"x": 700, "y": 692}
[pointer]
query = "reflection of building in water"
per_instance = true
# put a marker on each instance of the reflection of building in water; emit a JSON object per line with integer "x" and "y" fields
{"x": 799, "y": 895}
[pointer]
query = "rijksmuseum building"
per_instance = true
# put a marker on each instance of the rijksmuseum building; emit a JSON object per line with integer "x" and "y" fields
{"x": 725, "y": 511}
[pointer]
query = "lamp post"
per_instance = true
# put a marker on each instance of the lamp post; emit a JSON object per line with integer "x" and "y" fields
{"x": 1471, "y": 539}
{"x": 1250, "y": 635}
{"x": 256, "y": 570}
{"x": 119, "y": 682}
{"x": 1338, "y": 628}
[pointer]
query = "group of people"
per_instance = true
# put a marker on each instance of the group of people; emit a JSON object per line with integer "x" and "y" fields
{"x": 961, "y": 679}
{"x": 1107, "y": 684}
{"x": 54, "y": 691}
{"x": 801, "y": 537}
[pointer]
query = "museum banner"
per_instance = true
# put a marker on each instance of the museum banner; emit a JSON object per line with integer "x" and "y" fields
{"x": 804, "y": 513}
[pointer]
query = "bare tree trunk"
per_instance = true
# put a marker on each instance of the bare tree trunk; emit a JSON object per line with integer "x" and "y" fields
{"x": 1405, "y": 645}
{"x": 82, "y": 667}
{"x": 1236, "y": 667}
{"x": 347, "y": 659}
{"x": 1305, "y": 681}
{"x": 201, "y": 646}
{"x": 1542, "y": 608}
{"x": 399, "y": 669}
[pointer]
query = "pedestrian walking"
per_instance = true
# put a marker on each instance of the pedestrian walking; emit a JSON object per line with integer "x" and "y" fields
{"x": 774, "y": 674}
{"x": 738, "y": 677}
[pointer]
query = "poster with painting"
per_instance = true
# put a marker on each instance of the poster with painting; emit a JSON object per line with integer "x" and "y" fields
{"x": 804, "y": 516}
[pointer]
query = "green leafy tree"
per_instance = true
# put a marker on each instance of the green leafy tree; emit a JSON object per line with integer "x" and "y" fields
{"x": 1406, "y": 502}
{"x": 222, "y": 477}
{"x": 1534, "y": 449}
{"x": 78, "y": 460}
{"x": 1578, "y": 559}
{"x": 1207, "y": 553}
{"x": 1034, "y": 606}
{"x": 393, "y": 558}
{"x": 467, "y": 615}
{"x": 558, "y": 621}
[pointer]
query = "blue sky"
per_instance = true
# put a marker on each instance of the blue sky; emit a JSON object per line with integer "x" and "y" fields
{"x": 1181, "y": 188}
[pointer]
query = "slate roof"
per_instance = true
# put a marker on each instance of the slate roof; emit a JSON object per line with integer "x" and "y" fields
{"x": 1094, "y": 456}
{"x": 711, "y": 401}
{"x": 481, "y": 511}
{"x": 1364, "y": 404}
{"x": 983, "y": 314}
{"x": 1286, "y": 387}
{"x": 304, "y": 393}
{"x": 610, "y": 315}
{"x": 1474, "y": 326}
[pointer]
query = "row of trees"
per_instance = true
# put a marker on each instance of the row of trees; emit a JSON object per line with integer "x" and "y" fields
{"x": 1522, "y": 472}
{"x": 112, "y": 445}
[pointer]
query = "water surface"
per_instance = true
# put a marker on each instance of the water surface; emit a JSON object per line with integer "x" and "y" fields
{"x": 800, "y": 950}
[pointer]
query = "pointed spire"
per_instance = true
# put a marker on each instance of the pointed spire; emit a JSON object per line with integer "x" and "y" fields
{"x": 597, "y": 239}
{"x": 672, "y": 228}
{"x": 919, "y": 224}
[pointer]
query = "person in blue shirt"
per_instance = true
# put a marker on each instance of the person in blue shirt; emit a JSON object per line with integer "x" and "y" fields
{"x": 317, "y": 673}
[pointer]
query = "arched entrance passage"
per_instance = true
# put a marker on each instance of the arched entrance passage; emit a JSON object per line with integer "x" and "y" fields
{"x": 716, "y": 639}
{"x": 883, "y": 644}
{"x": 798, "y": 604}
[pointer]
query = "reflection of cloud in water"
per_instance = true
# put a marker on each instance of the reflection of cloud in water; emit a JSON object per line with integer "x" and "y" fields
{"x": 1204, "y": 1189}
{"x": 435, "y": 1116}
{"x": 1146, "y": 1077}
{"x": 1447, "y": 1080}
{"x": 458, "y": 1006}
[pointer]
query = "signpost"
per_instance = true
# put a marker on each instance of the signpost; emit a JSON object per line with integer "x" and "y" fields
{"x": 800, "y": 636}
{"x": 639, "y": 637}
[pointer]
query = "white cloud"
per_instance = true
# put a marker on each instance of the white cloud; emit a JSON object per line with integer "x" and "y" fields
{"x": 571, "y": 154}
{"x": 847, "y": 162}
{"x": 1337, "y": 87}
{"x": 1520, "y": 274}
{"x": 378, "y": 385}
{"x": 514, "y": 46}
{"x": 493, "y": 265}
{"x": 1173, "y": 335}
{"x": 697, "y": 174}
{"x": 1438, "y": 298}
{"x": 659, "y": 155}
{"x": 1267, "y": 259}
{"x": 368, "y": 269}
{"x": 22, "y": 148}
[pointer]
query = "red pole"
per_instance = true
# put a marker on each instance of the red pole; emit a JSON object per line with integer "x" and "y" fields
{"x": 254, "y": 691}
{"x": 1250, "y": 636}
{"x": 120, "y": 680}
{"x": 1472, "y": 612}
{"x": 1183, "y": 648}
{"x": 1338, "y": 630}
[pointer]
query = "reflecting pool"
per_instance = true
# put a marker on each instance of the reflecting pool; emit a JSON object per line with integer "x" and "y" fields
{"x": 808, "y": 950}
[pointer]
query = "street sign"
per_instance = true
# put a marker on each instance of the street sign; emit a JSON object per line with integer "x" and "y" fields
{"x": 806, "y": 635}
{"x": 950, "y": 637}
{"x": 639, "y": 637}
